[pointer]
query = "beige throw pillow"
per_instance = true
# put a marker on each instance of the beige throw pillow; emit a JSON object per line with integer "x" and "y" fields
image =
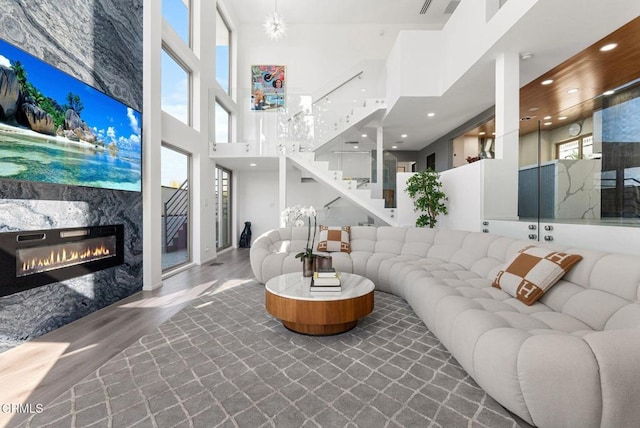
{"x": 532, "y": 271}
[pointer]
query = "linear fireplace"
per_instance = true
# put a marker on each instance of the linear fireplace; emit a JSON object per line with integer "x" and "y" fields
{"x": 31, "y": 259}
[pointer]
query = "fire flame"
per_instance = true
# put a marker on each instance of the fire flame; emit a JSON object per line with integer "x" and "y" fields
{"x": 63, "y": 257}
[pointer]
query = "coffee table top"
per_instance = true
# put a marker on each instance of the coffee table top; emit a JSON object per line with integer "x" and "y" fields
{"x": 295, "y": 286}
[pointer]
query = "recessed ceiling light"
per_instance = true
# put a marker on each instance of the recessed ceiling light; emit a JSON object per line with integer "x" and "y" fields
{"x": 533, "y": 109}
{"x": 548, "y": 123}
{"x": 403, "y": 136}
{"x": 609, "y": 93}
{"x": 493, "y": 133}
{"x": 253, "y": 164}
{"x": 355, "y": 147}
{"x": 562, "y": 118}
{"x": 547, "y": 117}
{"x": 430, "y": 114}
{"x": 394, "y": 147}
{"x": 481, "y": 133}
{"x": 525, "y": 56}
{"x": 572, "y": 91}
{"x": 363, "y": 90}
{"x": 364, "y": 135}
{"x": 608, "y": 47}
{"x": 547, "y": 82}
{"x": 355, "y": 101}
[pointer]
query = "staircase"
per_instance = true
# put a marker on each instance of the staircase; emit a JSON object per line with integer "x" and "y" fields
{"x": 319, "y": 170}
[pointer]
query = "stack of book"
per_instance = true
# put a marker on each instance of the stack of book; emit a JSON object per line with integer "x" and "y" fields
{"x": 325, "y": 281}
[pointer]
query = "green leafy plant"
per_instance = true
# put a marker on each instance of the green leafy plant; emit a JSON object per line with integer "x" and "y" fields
{"x": 425, "y": 189}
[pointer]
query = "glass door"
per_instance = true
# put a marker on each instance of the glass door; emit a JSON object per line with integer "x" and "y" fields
{"x": 223, "y": 208}
{"x": 175, "y": 210}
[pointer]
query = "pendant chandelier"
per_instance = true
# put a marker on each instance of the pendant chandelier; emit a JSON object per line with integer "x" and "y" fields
{"x": 274, "y": 26}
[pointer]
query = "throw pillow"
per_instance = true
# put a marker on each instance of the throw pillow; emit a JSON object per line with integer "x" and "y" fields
{"x": 533, "y": 271}
{"x": 334, "y": 239}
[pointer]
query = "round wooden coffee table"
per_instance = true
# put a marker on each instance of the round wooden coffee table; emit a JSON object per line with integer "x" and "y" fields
{"x": 288, "y": 299}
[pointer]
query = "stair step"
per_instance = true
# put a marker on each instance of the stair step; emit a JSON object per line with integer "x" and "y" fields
{"x": 350, "y": 184}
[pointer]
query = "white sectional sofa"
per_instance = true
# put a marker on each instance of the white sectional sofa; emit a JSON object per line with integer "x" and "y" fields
{"x": 572, "y": 359}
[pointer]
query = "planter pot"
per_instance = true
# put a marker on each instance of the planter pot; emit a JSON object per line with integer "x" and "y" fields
{"x": 307, "y": 266}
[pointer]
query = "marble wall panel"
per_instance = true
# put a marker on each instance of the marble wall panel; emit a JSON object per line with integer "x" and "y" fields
{"x": 34, "y": 312}
{"x": 96, "y": 41}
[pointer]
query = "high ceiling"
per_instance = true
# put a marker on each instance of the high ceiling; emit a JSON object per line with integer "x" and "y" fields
{"x": 552, "y": 31}
{"x": 392, "y": 12}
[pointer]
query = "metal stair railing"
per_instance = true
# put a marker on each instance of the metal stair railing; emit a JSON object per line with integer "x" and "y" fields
{"x": 175, "y": 213}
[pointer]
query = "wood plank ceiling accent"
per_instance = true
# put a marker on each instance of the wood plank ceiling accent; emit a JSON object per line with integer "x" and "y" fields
{"x": 591, "y": 71}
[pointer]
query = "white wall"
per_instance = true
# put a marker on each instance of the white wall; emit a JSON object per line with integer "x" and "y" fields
{"x": 428, "y": 63}
{"x": 614, "y": 239}
{"x": 257, "y": 201}
{"x": 463, "y": 187}
{"x": 463, "y": 147}
{"x": 316, "y": 56}
{"x": 404, "y": 204}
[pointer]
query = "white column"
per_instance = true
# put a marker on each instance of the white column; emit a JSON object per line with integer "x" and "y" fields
{"x": 501, "y": 175}
{"x": 203, "y": 238}
{"x": 152, "y": 140}
{"x": 282, "y": 186}
{"x": 379, "y": 158}
{"x": 507, "y": 105}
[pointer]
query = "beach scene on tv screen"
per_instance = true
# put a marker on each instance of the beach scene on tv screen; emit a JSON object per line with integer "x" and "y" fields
{"x": 57, "y": 129}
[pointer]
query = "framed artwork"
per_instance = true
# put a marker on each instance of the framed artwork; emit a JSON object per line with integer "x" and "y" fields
{"x": 268, "y": 87}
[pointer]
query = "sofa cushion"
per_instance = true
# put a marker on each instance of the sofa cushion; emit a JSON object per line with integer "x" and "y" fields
{"x": 532, "y": 271}
{"x": 334, "y": 239}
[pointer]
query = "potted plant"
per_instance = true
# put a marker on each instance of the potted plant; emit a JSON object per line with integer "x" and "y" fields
{"x": 425, "y": 189}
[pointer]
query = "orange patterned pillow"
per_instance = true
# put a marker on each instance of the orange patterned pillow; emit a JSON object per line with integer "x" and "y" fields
{"x": 532, "y": 271}
{"x": 334, "y": 239}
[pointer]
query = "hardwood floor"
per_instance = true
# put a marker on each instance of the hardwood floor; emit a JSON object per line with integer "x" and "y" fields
{"x": 40, "y": 370}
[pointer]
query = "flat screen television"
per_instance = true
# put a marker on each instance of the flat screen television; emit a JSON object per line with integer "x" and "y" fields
{"x": 55, "y": 128}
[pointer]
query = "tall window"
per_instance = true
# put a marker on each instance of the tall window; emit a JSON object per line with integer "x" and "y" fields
{"x": 223, "y": 52}
{"x": 176, "y": 84}
{"x": 223, "y": 208}
{"x": 175, "y": 210}
{"x": 223, "y": 124}
{"x": 176, "y": 13}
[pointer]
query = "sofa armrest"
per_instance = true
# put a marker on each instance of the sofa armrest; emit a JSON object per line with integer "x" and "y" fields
{"x": 616, "y": 352}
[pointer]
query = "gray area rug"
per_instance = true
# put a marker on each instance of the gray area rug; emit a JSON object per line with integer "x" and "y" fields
{"x": 223, "y": 361}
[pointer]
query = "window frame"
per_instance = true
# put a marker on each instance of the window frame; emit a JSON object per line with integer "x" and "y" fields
{"x": 224, "y": 20}
{"x": 167, "y": 50}
{"x": 580, "y": 139}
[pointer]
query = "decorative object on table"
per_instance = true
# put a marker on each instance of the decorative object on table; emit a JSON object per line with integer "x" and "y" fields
{"x": 325, "y": 281}
{"x": 297, "y": 215}
{"x": 425, "y": 189}
{"x": 334, "y": 239}
{"x": 268, "y": 87}
{"x": 245, "y": 236}
{"x": 274, "y": 26}
{"x": 323, "y": 263}
{"x": 324, "y": 272}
